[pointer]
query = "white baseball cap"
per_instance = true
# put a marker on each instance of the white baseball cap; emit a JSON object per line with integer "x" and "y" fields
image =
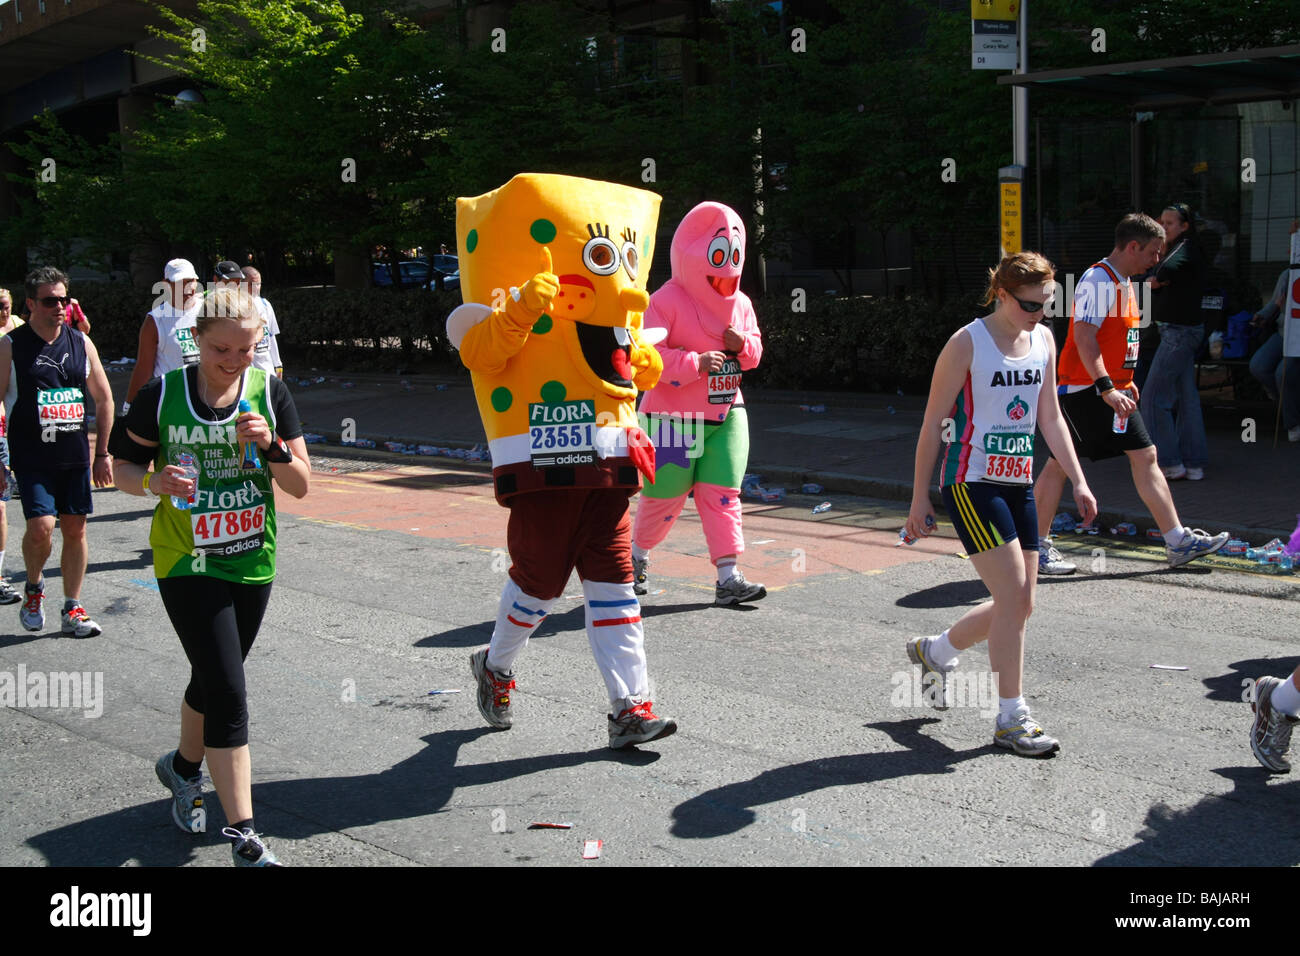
{"x": 178, "y": 270}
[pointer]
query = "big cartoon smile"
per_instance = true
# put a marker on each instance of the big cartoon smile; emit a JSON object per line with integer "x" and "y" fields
{"x": 724, "y": 285}
{"x": 606, "y": 351}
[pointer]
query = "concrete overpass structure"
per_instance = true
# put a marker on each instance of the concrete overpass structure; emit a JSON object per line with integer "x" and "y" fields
{"x": 76, "y": 57}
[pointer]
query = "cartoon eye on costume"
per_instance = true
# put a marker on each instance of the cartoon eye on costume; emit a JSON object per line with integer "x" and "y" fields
{"x": 719, "y": 250}
{"x": 600, "y": 255}
{"x": 735, "y": 254}
{"x": 630, "y": 259}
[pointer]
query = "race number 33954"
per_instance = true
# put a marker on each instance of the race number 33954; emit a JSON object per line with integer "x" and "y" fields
{"x": 60, "y": 405}
{"x": 1009, "y": 457}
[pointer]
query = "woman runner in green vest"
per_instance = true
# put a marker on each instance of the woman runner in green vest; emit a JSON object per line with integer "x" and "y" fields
{"x": 214, "y": 555}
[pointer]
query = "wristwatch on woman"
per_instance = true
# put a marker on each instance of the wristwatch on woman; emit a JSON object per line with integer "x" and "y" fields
{"x": 279, "y": 453}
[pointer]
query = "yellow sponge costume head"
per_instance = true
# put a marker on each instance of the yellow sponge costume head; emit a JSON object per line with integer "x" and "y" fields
{"x": 553, "y": 273}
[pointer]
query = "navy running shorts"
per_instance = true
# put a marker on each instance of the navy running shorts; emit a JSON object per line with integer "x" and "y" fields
{"x": 987, "y": 514}
{"x": 64, "y": 491}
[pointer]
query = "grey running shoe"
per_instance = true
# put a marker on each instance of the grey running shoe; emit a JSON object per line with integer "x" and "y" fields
{"x": 1025, "y": 737}
{"x": 1270, "y": 736}
{"x": 7, "y": 593}
{"x": 738, "y": 591}
{"x": 937, "y": 687}
{"x": 493, "y": 691}
{"x": 249, "y": 849}
{"x": 638, "y": 574}
{"x": 1050, "y": 560}
{"x": 32, "y": 614}
{"x": 77, "y": 623}
{"x": 638, "y": 725}
{"x": 187, "y": 795}
{"x": 1196, "y": 545}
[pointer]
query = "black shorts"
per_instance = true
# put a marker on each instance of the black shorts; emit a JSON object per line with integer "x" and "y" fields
{"x": 987, "y": 514}
{"x": 64, "y": 491}
{"x": 1091, "y": 422}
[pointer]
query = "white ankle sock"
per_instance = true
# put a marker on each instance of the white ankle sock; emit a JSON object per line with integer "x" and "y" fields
{"x": 639, "y": 552}
{"x": 726, "y": 570}
{"x": 1011, "y": 707}
{"x": 1175, "y": 537}
{"x": 1286, "y": 698}
{"x": 942, "y": 653}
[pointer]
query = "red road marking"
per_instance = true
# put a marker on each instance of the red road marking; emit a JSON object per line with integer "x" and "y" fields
{"x": 444, "y": 508}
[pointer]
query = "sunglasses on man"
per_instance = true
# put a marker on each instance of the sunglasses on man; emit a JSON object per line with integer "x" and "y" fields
{"x": 50, "y": 301}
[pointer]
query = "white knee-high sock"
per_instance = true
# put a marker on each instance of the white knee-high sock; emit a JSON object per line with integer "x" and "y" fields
{"x": 614, "y": 632}
{"x": 517, "y": 617}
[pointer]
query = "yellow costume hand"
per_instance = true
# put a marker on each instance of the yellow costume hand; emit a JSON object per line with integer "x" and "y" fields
{"x": 538, "y": 291}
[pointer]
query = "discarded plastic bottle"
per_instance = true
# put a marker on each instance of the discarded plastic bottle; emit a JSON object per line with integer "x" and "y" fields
{"x": 186, "y": 461}
{"x": 1264, "y": 555}
{"x": 1063, "y": 522}
{"x": 905, "y": 538}
{"x": 812, "y": 488}
{"x": 1236, "y": 547}
{"x": 824, "y": 506}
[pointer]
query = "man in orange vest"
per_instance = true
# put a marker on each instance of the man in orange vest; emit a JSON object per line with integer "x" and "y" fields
{"x": 1098, "y": 397}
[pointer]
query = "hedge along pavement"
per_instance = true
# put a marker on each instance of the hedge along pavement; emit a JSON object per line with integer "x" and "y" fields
{"x": 860, "y": 343}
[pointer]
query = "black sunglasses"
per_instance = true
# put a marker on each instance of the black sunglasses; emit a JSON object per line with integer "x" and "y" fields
{"x": 50, "y": 301}
{"x": 1029, "y": 307}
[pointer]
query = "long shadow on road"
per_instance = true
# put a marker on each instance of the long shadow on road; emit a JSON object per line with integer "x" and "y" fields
{"x": 418, "y": 786}
{"x": 1251, "y": 826}
{"x": 1238, "y": 685}
{"x": 727, "y": 809}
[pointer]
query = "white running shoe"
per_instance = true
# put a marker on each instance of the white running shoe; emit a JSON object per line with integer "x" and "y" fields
{"x": 1050, "y": 560}
{"x": 1195, "y": 545}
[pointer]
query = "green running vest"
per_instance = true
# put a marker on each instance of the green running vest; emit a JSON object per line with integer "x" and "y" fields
{"x": 230, "y": 531}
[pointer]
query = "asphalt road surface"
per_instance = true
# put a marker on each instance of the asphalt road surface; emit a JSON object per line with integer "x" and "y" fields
{"x": 802, "y": 741}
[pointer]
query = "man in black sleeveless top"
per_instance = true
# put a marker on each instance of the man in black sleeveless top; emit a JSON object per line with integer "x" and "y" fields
{"x": 51, "y": 366}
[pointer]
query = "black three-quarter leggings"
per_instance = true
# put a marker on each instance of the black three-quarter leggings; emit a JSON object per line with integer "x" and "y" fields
{"x": 217, "y": 622}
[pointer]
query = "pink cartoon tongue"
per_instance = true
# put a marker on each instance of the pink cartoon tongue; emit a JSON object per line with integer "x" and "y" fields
{"x": 622, "y": 367}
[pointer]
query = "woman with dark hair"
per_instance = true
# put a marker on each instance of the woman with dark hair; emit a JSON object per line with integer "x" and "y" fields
{"x": 993, "y": 381}
{"x": 1171, "y": 403}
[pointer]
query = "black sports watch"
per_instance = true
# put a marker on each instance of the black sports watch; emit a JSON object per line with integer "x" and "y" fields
{"x": 279, "y": 453}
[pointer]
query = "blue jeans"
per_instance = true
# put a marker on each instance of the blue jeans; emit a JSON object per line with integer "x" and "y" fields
{"x": 1171, "y": 404}
{"x": 1267, "y": 365}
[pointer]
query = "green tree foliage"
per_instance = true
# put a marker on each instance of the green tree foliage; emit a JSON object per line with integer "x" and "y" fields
{"x": 841, "y": 132}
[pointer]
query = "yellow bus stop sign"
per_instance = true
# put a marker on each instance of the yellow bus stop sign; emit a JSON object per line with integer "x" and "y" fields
{"x": 1011, "y": 218}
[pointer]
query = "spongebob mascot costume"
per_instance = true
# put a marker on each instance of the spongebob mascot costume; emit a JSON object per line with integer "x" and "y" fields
{"x": 553, "y": 273}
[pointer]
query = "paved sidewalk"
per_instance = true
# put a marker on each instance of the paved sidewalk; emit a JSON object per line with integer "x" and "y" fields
{"x": 861, "y": 444}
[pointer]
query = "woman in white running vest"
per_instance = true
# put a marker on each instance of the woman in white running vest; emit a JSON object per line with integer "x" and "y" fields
{"x": 993, "y": 382}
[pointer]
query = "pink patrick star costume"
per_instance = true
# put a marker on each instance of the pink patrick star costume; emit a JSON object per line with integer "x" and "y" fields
{"x": 696, "y": 416}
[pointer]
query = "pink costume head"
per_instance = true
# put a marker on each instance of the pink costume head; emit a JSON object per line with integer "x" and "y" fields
{"x": 708, "y": 254}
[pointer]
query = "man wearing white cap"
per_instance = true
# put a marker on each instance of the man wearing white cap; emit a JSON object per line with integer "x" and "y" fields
{"x": 167, "y": 335}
